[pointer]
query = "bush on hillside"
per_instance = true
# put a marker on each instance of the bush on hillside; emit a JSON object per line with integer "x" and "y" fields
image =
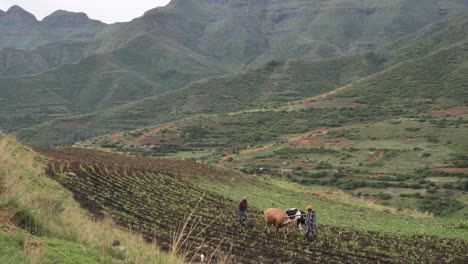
{"x": 439, "y": 206}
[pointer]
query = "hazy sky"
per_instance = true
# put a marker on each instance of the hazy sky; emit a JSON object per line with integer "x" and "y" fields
{"x": 108, "y": 11}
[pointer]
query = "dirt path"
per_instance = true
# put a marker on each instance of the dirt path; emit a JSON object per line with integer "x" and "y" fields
{"x": 456, "y": 111}
{"x": 242, "y": 152}
{"x": 153, "y": 131}
{"x": 325, "y": 95}
{"x": 321, "y": 96}
{"x": 304, "y": 139}
{"x": 119, "y": 135}
{"x": 301, "y": 139}
{"x": 451, "y": 170}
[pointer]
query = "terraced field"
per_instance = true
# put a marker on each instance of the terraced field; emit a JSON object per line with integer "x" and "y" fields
{"x": 157, "y": 197}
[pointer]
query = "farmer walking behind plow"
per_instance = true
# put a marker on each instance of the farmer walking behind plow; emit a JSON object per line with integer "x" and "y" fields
{"x": 311, "y": 222}
{"x": 242, "y": 211}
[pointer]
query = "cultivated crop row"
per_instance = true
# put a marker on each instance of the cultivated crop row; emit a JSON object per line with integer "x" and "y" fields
{"x": 157, "y": 197}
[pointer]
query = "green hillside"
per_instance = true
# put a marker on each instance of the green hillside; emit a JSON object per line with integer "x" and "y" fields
{"x": 432, "y": 38}
{"x": 104, "y": 80}
{"x": 264, "y": 86}
{"x": 24, "y": 62}
{"x": 160, "y": 125}
{"x": 371, "y": 76}
{"x": 440, "y": 74}
{"x": 171, "y": 46}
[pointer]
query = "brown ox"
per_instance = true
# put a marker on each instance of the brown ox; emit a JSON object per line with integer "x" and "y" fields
{"x": 279, "y": 219}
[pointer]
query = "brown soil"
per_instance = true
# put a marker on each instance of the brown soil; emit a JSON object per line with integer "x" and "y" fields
{"x": 154, "y": 196}
{"x": 7, "y": 218}
{"x": 116, "y": 137}
{"x": 376, "y": 156}
{"x": 452, "y": 111}
{"x": 336, "y": 142}
{"x": 321, "y": 96}
{"x": 308, "y": 138}
{"x": 244, "y": 151}
{"x": 451, "y": 170}
{"x": 151, "y": 132}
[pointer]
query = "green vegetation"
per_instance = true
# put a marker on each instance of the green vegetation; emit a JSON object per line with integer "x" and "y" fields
{"x": 385, "y": 161}
{"x": 143, "y": 58}
{"x": 363, "y": 80}
{"x": 310, "y": 109}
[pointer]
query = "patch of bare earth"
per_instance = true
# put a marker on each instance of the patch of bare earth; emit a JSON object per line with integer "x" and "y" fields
{"x": 451, "y": 170}
{"x": 151, "y": 132}
{"x": 378, "y": 155}
{"x": 334, "y": 102}
{"x": 456, "y": 111}
{"x": 7, "y": 218}
{"x": 244, "y": 151}
{"x": 309, "y": 138}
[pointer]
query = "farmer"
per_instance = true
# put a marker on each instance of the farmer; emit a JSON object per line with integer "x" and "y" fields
{"x": 242, "y": 211}
{"x": 311, "y": 222}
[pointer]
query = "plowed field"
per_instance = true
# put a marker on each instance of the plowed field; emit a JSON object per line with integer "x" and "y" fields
{"x": 155, "y": 196}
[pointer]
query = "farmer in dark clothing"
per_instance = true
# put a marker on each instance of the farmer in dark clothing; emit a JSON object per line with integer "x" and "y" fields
{"x": 311, "y": 222}
{"x": 242, "y": 211}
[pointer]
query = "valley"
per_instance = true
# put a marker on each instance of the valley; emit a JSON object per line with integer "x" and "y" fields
{"x": 133, "y": 142}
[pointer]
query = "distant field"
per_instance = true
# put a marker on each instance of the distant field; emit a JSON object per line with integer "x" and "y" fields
{"x": 410, "y": 150}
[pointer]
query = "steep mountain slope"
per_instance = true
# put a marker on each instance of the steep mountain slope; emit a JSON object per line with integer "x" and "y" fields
{"x": 144, "y": 68}
{"x": 188, "y": 40}
{"x": 278, "y": 82}
{"x": 248, "y": 31}
{"x": 21, "y": 30}
{"x": 232, "y": 34}
{"x": 440, "y": 74}
{"x": 23, "y": 62}
{"x": 445, "y": 33}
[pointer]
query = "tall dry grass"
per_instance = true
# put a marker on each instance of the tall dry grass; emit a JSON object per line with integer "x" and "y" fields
{"x": 25, "y": 187}
{"x": 181, "y": 245}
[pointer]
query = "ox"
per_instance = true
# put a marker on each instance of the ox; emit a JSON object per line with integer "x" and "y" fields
{"x": 297, "y": 214}
{"x": 279, "y": 219}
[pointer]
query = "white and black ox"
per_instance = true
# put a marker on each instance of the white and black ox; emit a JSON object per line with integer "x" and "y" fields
{"x": 299, "y": 215}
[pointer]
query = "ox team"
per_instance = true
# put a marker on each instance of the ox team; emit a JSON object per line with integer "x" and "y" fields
{"x": 278, "y": 218}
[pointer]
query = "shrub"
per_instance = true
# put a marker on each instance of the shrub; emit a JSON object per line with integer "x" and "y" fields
{"x": 440, "y": 206}
{"x": 426, "y": 154}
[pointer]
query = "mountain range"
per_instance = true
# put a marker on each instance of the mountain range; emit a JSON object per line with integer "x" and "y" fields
{"x": 300, "y": 48}
{"x": 20, "y": 29}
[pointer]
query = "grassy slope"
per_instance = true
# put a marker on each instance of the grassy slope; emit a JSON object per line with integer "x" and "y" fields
{"x": 274, "y": 83}
{"x": 47, "y": 57}
{"x": 440, "y": 74}
{"x": 40, "y": 221}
